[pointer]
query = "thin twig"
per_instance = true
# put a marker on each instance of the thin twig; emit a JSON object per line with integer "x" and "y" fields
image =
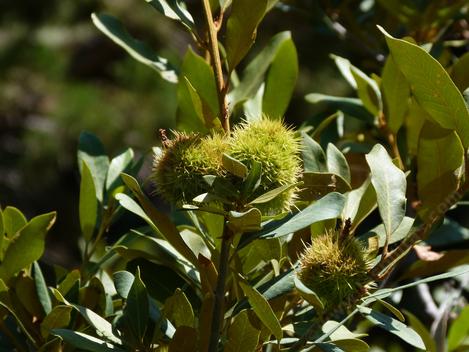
{"x": 216, "y": 64}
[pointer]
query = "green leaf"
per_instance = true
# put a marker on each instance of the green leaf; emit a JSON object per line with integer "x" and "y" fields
{"x": 340, "y": 332}
{"x": 253, "y": 75}
{"x": 344, "y": 65}
{"x": 174, "y": 10}
{"x": 260, "y": 252}
{"x": 242, "y": 336}
{"x": 352, "y": 345}
{"x": 396, "y": 312}
{"x": 308, "y": 295}
{"x": 280, "y": 81}
{"x": 13, "y": 221}
{"x": 41, "y": 289}
{"x": 272, "y": 194}
{"x": 389, "y": 183}
{"x": 114, "y": 29}
{"x": 118, "y": 165}
{"x": 460, "y": 72}
{"x": 262, "y": 309}
{"x": 414, "y": 122}
{"x": 166, "y": 227}
{"x": 88, "y": 205}
{"x": 197, "y": 94}
{"x": 336, "y": 162}
{"x": 396, "y": 92}
{"x": 402, "y": 231}
{"x": 123, "y": 281}
{"x": 368, "y": 91}
{"x": 102, "y": 327}
{"x": 136, "y": 310}
{"x": 184, "y": 339}
{"x": 328, "y": 207}
{"x": 420, "y": 328}
{"x": 91, "y": 151}
{"x": 349, "y": 106}
{"x": 241, "y": 29}
{"x": 27, "y": 245}
{"x": 234, "y": 166}
{"x": 58, "y": 317}
{"x": 440, "y": 155}
{"x": 431, "y": 85}
{"x": 459, "y": 329}
{"x": 314, "y": 158}
{"x": 247, "y": 221}
{"x": 253, "y": 179}
{"x": 317, "y": 184}
{"x": 393, "y": 326}
{"x": 178, "y": 310}
{"x": 85, "y": 342}
{"x": 360, "y": 203}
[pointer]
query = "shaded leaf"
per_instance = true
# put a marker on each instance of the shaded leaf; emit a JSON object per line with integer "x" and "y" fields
{"x": 272, "y": 194}
{"x": 27, "y": 245}
{"x": 114, "y": 29}
{"x": 308, "y": 295}
{"x": 249, "y": 220}
{"x": 262, "y": 309}
{"x": 389, "y": 183}
{"x": 102, "y": 327}
{"x": 359, "y": 203}
{"x": 414, "y": 121}
{"x": 427, "y": 338}
{"x": 459, "y": 329}
{"x": 136, "y": 310}
{"x": 402, "y": 231}
{"x": 234, "y": 166}
{"x": 396, "y": 92}
{"x": 242, "y": 336}
{"x": 317, "y": 184}
{"x": 241, "y": 29}
{"x": 440, "y": 154}
{"x": 350, "y": 106}
{"x": 314, "y": 158}
{"x": 58, "y": 317}
{"x": 174, "y": 10}
{"x": 178, "y": 310}
{"x": 184, "y": 339}
{"x": 368, "y": 91}
{"x": 460, "y": 72}
{"x": 88, "y": 205}
{"x": 123, "y": 281}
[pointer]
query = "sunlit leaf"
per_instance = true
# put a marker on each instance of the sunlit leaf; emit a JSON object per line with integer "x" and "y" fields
{"x": 242, "y": 336}
{"x": 88, "y": 204}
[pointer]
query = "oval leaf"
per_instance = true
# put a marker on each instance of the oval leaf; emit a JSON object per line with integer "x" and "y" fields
{"x": 88, "y": 205}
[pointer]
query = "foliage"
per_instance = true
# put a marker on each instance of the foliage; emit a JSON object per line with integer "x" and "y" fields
{"x": 258, "y": 252}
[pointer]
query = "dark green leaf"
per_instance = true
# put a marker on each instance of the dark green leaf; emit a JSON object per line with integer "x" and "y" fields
{"x": 262, "y": 309}
{"x": 308, "y": 295}
{"x": 396, "y": 92}
{"x": 136, "y": 310}
{"x": 41, "y": 289}
{"x": 415, "y": 120}
{"x": 184, "y": 340}
{"x": 178, "y": 310}
{"x": 13, "y": 221}
{"x": 402, "y": 231}
{"x": 27, "y": 245}
{"x": 247, "y": 221}
{"x": 328, "y": 207}
{"x": 241, "y": 29}
{"x": 431, "y": 85}
{"x": 280, "y": 81}
{"x": 336, "y": 162}
{"x": 393, "y": 326}
{"x": 360, "y": 203}
{"x": 114, "y": 29}
{"x": 253, "y": 179}
{"x": 91, "y": 151}
{"x": 368, "y": 91}
{"x": 242, "y": 336}
{"x": 88, "y": 205}
{"x": 389, "y": 183}
{"x": 268, "y": 196}
{"x": 440, "y": 154}
{"x": 314, "y": 158}
{"x": 118, "y": 165}
{"x": 123, "y": 281}
{"x": 85, "y": 342}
